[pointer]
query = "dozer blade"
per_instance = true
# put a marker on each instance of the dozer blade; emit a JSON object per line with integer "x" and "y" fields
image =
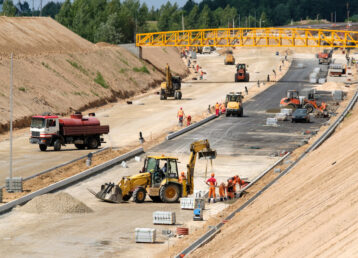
{"x": 209, "y": 154}
{"x": 109, "y": 192}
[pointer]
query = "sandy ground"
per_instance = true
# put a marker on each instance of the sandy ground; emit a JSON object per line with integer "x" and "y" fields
{"x": 147, "y": 114}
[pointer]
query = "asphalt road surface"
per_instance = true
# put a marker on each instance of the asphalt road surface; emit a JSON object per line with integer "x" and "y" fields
{"x": 249, "y": 135}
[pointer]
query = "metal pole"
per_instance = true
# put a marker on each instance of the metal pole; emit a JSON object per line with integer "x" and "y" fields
{"x": 11, "y": 109}
{"x": 41, "y": 8}
{"x": 182, "y": 21}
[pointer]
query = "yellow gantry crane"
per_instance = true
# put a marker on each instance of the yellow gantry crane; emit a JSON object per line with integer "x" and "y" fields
{"x": 250, "y": 37}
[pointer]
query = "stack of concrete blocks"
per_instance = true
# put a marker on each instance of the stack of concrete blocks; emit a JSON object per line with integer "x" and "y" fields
{"x": 200, "y": 194}
{"x": 281, "y": 116}
{"x": 164, "y": 217}
{"x": 192, "y": 203}
{"x": 313, "y": 77}
{"x": 13, "y": 184}
{"x": 287, "y": 111}
{"x": 337, "y": 95}
{"x": 145, "y": 235}
{"x": 271, "y": 121}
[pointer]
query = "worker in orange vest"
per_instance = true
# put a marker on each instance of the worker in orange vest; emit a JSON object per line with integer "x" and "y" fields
{"x": 217, "y": 109}
{"x": 223, "y": 108}
{"x": 182, "y": 177}
{"x": 240, "y": 182}
{"x": 222, "y": 190}
{"x": 181, "y": 116}
{"x": 230, "y": 189}
{"x": 211, "y": 182}
{"x": 201, "y": 74}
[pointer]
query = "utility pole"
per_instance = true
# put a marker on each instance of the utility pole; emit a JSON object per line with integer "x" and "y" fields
{"x": 260, "y": 22}
{"x": 40, "y": 7}
{"x": 182, "y": 21}
{"x": 347, "y": 12}
{"x": 11, "y": 112}
{"x": 33, "y": 7}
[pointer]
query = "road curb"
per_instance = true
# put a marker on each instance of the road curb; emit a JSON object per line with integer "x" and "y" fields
{"x": 70, "y": 180}
{"x": 190, "y": 127}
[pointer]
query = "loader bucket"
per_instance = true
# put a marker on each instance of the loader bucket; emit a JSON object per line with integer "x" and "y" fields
{"x": 110, "y": 192}
{"x": 209, "y": 154}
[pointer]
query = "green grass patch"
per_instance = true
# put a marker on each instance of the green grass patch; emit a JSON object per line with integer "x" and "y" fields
{"x": 101, "y": 81}
{"x": 78, "y": 66}
{"x": 134, "y": 81}
{"x": 23, "y": 89}
{"x": 142, "y": 69}
{"x": 165, "y": 50}
{"x": 124, "y": 61}
{"x": 45, "y": 65}
{"x": 123, "y": 70}
{"x": 94, "y": 93}
{"x": 77, "y": 93}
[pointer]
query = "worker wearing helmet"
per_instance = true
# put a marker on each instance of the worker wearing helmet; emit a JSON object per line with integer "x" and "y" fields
{"x": 211, "y": 182}
{"x": 217, "y": 109}
{"x": 240, "y": 182}
{"x": 222, "y": 190}
{"x": 222, "y": 108}
{"x": 230, "y": 189}
{"x": 181, "y": 115}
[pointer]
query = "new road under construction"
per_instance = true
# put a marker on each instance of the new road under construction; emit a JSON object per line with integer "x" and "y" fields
{"x": 180, "y": 154}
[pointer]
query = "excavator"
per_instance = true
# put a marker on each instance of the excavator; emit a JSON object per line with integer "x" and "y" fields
{"x": 160, "y": 184}
{"x": 171, "y": 86}
{"x": 294, "y": 101}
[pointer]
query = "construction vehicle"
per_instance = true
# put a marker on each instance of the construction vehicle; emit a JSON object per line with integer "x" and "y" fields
{"x": 325, "y": 57}
{"x": 229, "y": 58}
{"x": 241, "y": 74}
{"x": 233, "y": 104}
{"x": 160, "y": 183}
{"x": 171, "y": 87}
{"x": 50, "y": 130}
{"x": 337, "y": 69}
{"x": 293, "y": 101}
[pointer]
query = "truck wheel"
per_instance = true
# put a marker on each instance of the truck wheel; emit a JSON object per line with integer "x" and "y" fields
{"x": 169, "y": 193}
{"x": 80, "y": 146}
{"x": 180, "y": 95}
{"x": 92, "y": 143}
{"x": 57, "y": 145}
{"x": 309, "y": 108}
{"x": 139, "y": 195}
{"x": 43, "y": 147}
{"x": 241, "y": 114}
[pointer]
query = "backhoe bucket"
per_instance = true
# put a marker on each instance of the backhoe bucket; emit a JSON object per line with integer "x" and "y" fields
{"x": 110, "y": 192}
{"x": 209, "y": 154}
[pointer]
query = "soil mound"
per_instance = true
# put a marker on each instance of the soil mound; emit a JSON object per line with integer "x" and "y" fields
{"x": 61, "y": 203}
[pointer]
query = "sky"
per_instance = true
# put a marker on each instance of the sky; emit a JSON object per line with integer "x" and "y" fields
{"x": 150, "y": 3}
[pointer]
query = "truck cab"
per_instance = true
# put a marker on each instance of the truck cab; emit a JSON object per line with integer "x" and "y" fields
{"x": 43, "y": 129}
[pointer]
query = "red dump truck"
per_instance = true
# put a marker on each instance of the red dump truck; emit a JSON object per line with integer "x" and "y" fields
{"x": 325, "y": 57}
{"x": 50, "y": 130}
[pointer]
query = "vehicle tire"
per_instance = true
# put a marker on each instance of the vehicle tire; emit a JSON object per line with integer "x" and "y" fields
{"x": 57, "y": 145}
{"x": 227, "y": 114}
{"x": 236, "y": 77}
{"x": 180, "y": 95}
{"x": 292, "y": 120}
{"x": 175, "y": 95}
{"x": 155, "y": 198}
{"x": 92, "y": 143}
{"x": 43, "y": 147}
{"x": 309, "y": 108}
{"x": 80, "y": 146}
{"x": 241, "y": 113}
{"x": 169, "y": 193}
{"x": 139, "y": 195}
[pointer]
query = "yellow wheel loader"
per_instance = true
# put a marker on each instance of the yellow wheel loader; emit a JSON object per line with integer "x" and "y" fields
{"x": 159, "y": 179}
{"x": 171, "y": 87}
{"x": 233, "y": 103}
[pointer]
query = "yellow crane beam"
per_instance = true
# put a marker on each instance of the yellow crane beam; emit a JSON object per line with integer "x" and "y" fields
{"x": 250, "y": 37}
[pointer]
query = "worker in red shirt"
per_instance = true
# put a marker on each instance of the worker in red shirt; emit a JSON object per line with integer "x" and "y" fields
{"x": 223, "y": 108}
{"x": 211, "y": 182}
{"x": 217, "y": 109}
{"x": 181, "y": 115}
{"x": 222, "y": 190}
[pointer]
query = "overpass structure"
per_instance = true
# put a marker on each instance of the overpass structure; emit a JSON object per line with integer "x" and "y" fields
{"x": 250, "y": 37}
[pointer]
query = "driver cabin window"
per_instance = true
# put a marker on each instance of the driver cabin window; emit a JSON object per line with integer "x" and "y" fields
{"x": 51, "y": 123}
{"x": 173, "y": 172}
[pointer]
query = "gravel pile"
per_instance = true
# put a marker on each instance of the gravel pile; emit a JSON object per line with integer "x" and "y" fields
{"x": 61, "y": 203}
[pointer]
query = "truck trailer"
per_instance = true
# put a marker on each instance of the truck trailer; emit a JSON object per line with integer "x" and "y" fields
{"x": 83, "y": 132}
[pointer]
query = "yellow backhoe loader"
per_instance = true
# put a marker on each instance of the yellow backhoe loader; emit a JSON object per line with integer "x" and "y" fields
{"x": 171, "y": 87}
{"x": 160, "y": 183}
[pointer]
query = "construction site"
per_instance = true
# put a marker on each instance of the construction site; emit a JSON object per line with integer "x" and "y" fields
{"x": 217, "y": 146}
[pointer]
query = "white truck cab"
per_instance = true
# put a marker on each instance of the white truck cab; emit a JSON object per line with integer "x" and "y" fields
{"x": 43, "y": 128}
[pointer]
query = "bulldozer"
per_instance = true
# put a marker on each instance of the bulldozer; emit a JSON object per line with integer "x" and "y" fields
{"x": 241, "y": 74}
{"x": 161, "y": 184}
{"x": 171, "y": 87}
{"x": 293, "y": 101}
{"x": 233, "y": 103}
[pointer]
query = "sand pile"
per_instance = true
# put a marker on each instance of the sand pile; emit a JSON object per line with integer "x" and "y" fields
{"x": 61, "y": 203}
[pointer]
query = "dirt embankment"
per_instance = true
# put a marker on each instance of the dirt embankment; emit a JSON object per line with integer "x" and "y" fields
{"x": 309, "y": 212}
{"x": 57, "y": 71}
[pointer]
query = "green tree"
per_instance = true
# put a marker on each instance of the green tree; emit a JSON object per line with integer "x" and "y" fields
{"x": 192, "y": 19}
{"x": 281, "y": 15}
{"x": 205, "y": 18}
{"x": 110, "y": 31}
{"x": 65, "y": 15}
{"x": 51, "y": 9}
{"x": 8, "y": 8}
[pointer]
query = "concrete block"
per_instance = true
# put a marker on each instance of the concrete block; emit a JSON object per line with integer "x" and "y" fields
{"x": 14, "y": 184}
{"x": 192, "y": 203}
{"x": 286, "y": 111}
{"x": 337, "y": 95}
{"x": 321, "y": 80}
{"x": 281, "y": 116}
{"x": 277, "y": 170}
{"x": 271, "y": 121}
{"x": 164, "y": 217}
{"x": 145, "y": 235}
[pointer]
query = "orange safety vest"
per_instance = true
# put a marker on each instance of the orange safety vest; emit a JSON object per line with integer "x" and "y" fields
{"x": 217, "y": 106}
{"x": 180, "y": 113}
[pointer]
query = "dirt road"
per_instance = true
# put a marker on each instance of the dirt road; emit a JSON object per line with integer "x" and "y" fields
{"x": 147, "y": 114}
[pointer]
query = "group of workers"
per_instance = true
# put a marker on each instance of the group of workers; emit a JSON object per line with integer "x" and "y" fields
{"x": 220, "y": 108}
{"x": 226, "y": 191}
{"x": 181, "y": 117}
